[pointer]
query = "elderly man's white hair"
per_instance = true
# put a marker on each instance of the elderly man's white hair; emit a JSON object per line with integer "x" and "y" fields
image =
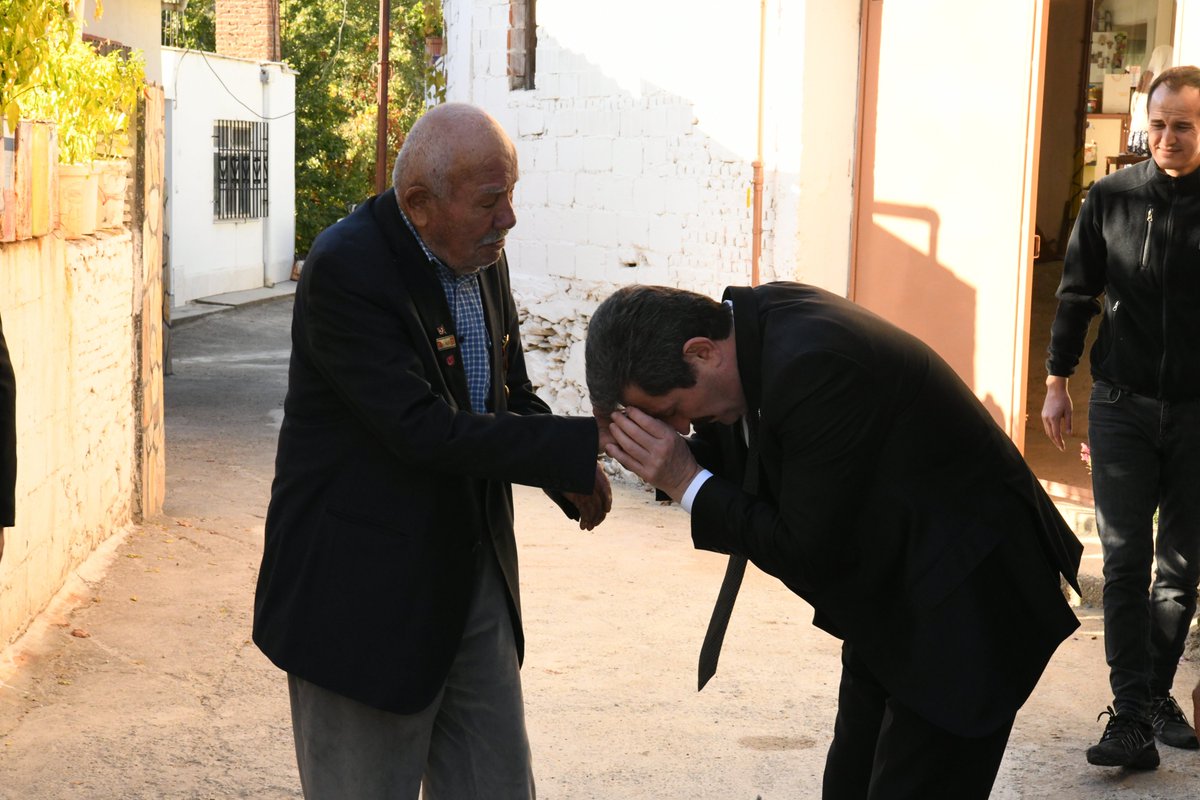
{"x": 432, "y": 148}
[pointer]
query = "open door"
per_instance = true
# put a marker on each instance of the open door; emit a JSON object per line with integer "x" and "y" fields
{"x": 944, "y": 232}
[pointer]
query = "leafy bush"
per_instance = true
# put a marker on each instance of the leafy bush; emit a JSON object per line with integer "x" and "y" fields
{"x": 91, "y": 98}
{"x": 31, "y": 31}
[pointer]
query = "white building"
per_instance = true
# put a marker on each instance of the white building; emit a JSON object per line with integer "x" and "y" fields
{"x": 229, "y": 215}
{"x": 230, "y": 209}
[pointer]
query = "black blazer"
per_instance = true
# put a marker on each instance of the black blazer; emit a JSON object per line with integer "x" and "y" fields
{"x": 386, "y": 486}
{"x": 8, "y": 437}
{"x": 891, "y": 501}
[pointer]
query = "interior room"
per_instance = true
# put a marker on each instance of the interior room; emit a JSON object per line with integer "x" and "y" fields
{"x": 1100, "y": 56}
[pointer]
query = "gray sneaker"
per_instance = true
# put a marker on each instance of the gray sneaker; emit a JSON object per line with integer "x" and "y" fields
{"x": 1170, "y": 725}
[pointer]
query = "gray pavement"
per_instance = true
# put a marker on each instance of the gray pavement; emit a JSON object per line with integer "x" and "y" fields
{"x": 141, "y": 680}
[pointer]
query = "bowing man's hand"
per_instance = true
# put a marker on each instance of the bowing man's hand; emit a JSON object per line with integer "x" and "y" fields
{"x": 652, "y": 450}
{"x": 594, "y": 507}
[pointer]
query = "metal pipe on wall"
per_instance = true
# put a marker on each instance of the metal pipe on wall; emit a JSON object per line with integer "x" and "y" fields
{"x": 757, "y": 182}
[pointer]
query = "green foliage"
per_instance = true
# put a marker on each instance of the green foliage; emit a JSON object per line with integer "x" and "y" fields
{"x": 91, "y": 98}
{"x": 200, "y": 26}
{"x": 31, "y": 31}
{"x": 334, "y": 47}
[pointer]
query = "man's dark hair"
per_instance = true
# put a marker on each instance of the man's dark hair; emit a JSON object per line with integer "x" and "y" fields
{"x": 636, "y": 338}
{"x": 1175, "y": 79}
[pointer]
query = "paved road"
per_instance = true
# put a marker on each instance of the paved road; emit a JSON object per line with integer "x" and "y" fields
{"x": 141, "y": 682}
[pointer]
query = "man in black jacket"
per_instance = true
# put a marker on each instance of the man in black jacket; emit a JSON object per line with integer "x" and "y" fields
{"x": 389, "y": 589}
{"x": 853, "y": 464}
{"x": 8, "y": 441}
{"x": 1134, "y": 255}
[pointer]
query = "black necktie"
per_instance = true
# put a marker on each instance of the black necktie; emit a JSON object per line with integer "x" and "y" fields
{"x": 710, "y": 650}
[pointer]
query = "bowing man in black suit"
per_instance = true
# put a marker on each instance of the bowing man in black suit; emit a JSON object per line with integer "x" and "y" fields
{"x": 388, "y": 588}
{"x": 8, "y": 441}
{"x": 844, "y": 457}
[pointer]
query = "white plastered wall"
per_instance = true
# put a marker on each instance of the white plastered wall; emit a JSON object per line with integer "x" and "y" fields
{"x": 636, "y": 151}
{"x": 208, "y": 256}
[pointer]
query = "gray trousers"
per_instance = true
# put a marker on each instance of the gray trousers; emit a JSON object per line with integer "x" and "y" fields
{"x": 469, "y": 744}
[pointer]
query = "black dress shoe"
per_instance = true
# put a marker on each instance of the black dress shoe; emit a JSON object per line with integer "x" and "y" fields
{"x": 1128, "y": 741}
{"x": 1170, "y": 725}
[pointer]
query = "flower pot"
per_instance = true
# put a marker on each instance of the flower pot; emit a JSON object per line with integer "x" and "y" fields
{"x": 77, "y": 195}
{"x": 111, "y": 182}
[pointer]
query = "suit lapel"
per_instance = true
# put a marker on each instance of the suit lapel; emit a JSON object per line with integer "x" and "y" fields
{"x": 428, "y": 297}
{"x": 749, "y": 357}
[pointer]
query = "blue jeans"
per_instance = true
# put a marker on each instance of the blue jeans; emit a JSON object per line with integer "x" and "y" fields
{"x": 1145, "y": 456}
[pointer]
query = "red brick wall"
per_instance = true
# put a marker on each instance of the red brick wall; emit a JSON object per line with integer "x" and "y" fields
{"x": 248, "y": 29}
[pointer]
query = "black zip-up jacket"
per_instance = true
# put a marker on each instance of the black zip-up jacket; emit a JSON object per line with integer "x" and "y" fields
{"x": 1137, "y": 243}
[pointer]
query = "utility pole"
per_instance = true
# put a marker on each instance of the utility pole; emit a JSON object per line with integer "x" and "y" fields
{"x": 381, "y": 126}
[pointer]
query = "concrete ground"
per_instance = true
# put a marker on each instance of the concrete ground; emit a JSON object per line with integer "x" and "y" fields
{"x": 141, "y": 680}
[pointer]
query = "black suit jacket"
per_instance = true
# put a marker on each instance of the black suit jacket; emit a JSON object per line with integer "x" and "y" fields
{"x": 891, "y": 501}
{"x": 8, "y": 437}
{"x": 386, "y": 486}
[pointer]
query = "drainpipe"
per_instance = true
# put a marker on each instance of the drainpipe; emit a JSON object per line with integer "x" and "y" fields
{"x": 756, "y": 240}
{"x": 264, "y": 79}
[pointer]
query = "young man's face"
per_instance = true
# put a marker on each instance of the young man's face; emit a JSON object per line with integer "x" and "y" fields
{"x": 1175, "y": 129}
{"x": 712, "y": 399}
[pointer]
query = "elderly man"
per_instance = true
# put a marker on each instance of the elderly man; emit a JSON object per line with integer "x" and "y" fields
{"x": 388, "y": 589}
{"x": 849, "y": 461}
{"x": 1134, "y": 258}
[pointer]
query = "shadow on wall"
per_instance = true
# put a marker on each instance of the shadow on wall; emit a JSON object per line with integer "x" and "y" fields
{"x": 909, "y": 286}
{"x": 897, "y": 272}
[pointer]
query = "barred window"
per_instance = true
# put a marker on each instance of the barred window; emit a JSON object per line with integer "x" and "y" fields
{"x": 239, "y": 169}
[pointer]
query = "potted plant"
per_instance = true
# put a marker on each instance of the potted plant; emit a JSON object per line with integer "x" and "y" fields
{"x": 119, "y": 79}
{"x": 78, "y": 95}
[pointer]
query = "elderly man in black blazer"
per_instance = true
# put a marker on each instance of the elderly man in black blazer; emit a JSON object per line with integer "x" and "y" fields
{"x": 851, "y": 463}
{"x": 8, "y": 441}
{"x": 388, "y": 589}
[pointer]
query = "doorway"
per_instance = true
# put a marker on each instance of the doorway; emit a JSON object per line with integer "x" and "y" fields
{"x": 1097, "y": 52}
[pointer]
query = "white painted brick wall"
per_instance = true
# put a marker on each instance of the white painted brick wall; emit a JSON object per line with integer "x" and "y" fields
{"x": 617, "y": 186}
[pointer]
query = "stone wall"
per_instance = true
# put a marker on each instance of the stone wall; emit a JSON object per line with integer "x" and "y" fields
{"x": 71, "y": 316}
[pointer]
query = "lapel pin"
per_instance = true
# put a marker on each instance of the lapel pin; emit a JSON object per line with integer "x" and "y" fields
{"x": 445, "y": 342}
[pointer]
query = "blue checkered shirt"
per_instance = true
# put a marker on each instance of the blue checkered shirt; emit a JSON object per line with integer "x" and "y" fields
{"x": 470, "y": 327}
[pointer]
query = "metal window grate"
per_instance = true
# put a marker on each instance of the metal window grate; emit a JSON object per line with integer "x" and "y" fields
{"x": 174, "y": 29}
{"x": 239, "y": 169}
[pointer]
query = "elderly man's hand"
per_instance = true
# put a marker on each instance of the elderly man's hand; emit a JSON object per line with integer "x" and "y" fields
{"x": 594, "y": 507}
{"x": 653, "y": 451}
